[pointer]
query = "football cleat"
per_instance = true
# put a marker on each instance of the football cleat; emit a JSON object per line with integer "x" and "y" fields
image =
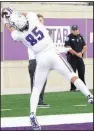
{"x": 90, "y": 99}
{"x": 34, "y": 122}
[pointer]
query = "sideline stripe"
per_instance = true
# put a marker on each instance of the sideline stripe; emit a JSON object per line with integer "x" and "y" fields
{"x": 48, "y": 120}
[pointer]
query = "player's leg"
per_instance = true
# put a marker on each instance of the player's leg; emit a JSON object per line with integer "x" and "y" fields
{"x": 40, "y": 78}
{"x": 41, "y": 98}
{"x": 31, "y": 69}
{"x": 63, "y": 67}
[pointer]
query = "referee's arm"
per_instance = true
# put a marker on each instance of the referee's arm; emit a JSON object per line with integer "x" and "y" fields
{"x": 67, "y": 44}
{"x": 84, "y": 49}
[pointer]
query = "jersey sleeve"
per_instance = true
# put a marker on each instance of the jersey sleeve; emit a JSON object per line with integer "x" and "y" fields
{"x": 15, "y": 35}
{"x": 67, "y": 41}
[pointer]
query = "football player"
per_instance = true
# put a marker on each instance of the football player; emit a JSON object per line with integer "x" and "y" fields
{"x": 26, "y": 28}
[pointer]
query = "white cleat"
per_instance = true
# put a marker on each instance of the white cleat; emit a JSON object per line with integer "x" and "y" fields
{"x": 34, "y": 123}
{"x": 90, "y": 99}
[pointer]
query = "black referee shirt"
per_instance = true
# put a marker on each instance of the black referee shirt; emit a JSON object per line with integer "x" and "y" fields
{"x": 76, "y": 42}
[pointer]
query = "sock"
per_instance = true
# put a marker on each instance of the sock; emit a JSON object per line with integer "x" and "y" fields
{"x": 82, "y": 87}
{"x": 34, "y": 100}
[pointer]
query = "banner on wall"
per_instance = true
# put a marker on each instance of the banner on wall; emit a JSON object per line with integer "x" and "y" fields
{"x": 59, "y": 33}
{"x": 60, "y": 28}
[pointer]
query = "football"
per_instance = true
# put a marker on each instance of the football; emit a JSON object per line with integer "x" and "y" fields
{"x": 6, "y": 12}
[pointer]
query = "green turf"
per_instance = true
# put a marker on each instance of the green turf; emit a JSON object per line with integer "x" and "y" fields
{"x": 60, "y": 103}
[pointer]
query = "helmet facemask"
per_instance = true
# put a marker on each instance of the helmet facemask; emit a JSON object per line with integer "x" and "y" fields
{"x": 25, "y": 28}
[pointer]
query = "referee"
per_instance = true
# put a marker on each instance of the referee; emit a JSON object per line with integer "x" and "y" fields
{"x": 75, "y": 55}
{"x": 32, "y": 67}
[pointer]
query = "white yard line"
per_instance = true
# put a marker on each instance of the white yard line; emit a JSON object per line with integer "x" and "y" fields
{"x": 43, "y": 107}
{"x": 79, "y": 105}
{"x": 48, "y": 120}
{"x": 6, "y": 109}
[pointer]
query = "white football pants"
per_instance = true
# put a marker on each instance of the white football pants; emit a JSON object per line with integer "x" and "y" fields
{"x": 46, "y": 61}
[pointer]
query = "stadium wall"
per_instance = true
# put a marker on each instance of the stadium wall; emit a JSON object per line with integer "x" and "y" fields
{"x": 14, "y": 71}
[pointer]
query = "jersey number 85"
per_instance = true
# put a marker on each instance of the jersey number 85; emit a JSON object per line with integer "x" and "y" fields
{"x": 38, "y": 35}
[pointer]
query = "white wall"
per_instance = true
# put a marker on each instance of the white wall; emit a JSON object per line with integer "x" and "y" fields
{"x": 15, "y": 78}
{"x": 14, "y": 74}
{"x": 51, "y": 11}
{"x": 54, "y": 11}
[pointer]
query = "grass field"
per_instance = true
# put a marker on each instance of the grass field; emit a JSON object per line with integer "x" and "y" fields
{"x": 60, "y": 103}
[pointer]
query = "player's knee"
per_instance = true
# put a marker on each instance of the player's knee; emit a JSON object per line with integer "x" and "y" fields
{"x": 74, "y": 78}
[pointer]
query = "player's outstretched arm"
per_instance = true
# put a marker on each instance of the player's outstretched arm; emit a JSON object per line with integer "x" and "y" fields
{"x": 5, "y": 14}
{"x": 10, "y": 29}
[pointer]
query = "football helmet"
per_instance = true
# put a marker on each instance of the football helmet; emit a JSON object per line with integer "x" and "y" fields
{"x": 18, "y": 21}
